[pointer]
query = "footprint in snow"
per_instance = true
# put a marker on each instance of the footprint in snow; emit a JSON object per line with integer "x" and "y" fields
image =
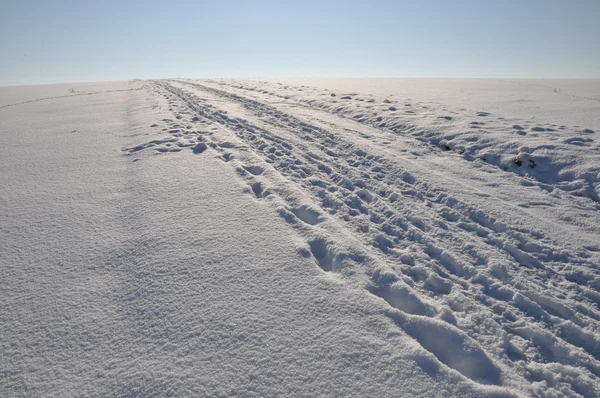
{"x": 254, "y": 169}
{"x": 199, "y": 148}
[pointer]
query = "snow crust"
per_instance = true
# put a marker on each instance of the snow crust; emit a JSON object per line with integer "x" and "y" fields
{"x": 318, "y": 237}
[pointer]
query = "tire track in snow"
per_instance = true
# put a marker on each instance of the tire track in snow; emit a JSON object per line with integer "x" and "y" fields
{"x": 520, "y": 248}
{"x": 531, "y": 303}
{"x": 513, "y": 250}
{"x": 490, "y": 223}
{"x": 330, "y": 257}
{"x": 69, "y": 95}
{"x": 364, "y": 192}
{"x": 390, "y": 121}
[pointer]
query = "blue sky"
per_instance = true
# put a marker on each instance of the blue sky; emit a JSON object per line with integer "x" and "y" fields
{"x": 69, "y": 41}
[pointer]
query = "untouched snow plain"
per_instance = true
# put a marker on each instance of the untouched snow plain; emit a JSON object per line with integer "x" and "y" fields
{"x": 301, "y": 237}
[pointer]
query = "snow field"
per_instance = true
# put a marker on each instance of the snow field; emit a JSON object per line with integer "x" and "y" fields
{"x": 411, "y": 247}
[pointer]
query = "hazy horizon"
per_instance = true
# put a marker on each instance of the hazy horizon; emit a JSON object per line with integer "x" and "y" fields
{"x": 67, "y": 41}
{"x": 308, "y": 78}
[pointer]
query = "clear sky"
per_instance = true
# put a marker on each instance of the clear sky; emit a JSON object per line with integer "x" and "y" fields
{"x": 48, "y": 41}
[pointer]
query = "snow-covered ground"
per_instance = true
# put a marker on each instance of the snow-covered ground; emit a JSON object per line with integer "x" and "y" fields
{"x": 301, "y": 237}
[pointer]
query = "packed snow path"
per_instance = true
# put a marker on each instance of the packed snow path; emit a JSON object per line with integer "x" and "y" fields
{"x": 467, "y": 240}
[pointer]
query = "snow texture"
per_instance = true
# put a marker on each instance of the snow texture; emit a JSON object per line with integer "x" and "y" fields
{"x": 300, "y": 237}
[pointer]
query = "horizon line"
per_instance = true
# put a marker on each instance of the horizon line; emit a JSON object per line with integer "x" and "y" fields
{"x": 306, "y": 77}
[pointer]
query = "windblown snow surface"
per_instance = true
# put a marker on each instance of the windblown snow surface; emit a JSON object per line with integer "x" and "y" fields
{"x": 300, "y": 237}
